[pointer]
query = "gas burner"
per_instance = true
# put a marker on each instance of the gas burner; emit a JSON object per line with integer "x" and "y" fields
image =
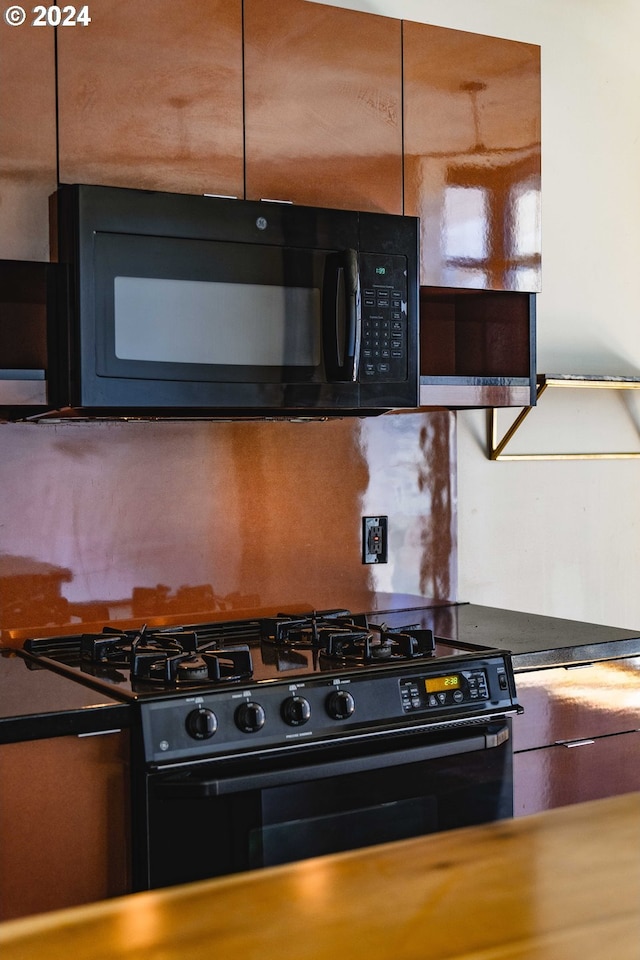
{"x": 305, "y": 630}
{"x": 338, "y": 635}
{"x": 180, "y": 670}
{"x": 380, "y": 644}
{"x": 343, "y": 644}
{"x": 171, "y": 657}
{"x": 120, "y": 649}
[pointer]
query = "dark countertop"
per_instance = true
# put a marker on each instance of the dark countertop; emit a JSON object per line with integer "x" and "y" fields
{"x": 37, "y": 703}
{"x": 535, "y": 641}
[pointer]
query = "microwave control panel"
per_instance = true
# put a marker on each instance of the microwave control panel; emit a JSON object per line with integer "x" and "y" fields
{"x": 383, "y": 285}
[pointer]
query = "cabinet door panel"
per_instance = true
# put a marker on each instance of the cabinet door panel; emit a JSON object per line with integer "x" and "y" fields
{"x": 150, "y": 96}
{"x": 323, "y": 89}
{"x": 27, "y": 141}
{"x": 472, "y": 157}
{"x": 570, "y": 704}
{"x": 559, "y": 775}
{"x": 64, "y": 822}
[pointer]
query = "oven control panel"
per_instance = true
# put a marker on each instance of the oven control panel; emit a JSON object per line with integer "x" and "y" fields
{"x": 457, "y": 687}
{"x": 256, "y": 717}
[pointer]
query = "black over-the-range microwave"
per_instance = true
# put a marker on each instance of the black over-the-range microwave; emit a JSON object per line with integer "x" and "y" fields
{"x": 178, "y": 304}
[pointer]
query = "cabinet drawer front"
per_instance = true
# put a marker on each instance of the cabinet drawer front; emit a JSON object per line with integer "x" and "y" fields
{"x": 575, "y": 703}
{"x": 586, "y": 770}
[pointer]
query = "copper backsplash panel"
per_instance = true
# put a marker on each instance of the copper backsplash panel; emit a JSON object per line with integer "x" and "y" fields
{"x": 129, "y": 521}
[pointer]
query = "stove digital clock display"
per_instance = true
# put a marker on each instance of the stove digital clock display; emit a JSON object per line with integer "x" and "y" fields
{"x": 437, "y": 684}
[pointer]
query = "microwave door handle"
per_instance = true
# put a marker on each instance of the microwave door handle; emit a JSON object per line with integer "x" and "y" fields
{"x": 342, "y": 316}
{"x": 354, "y": 337}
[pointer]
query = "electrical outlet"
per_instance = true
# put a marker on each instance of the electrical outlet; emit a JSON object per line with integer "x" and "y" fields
{"x": 374, "y": 539}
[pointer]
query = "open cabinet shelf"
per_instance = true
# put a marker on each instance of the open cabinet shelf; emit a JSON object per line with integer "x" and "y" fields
{"x": 25, "y": 291}
{"x": 477, "y": 348}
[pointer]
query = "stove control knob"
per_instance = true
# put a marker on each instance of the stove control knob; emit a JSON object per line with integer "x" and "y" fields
{"x": 295, "y": 711}
{"x": 250, "y": 717}
{"x": 340, "y": 705}
{"x": 202, "y": 724}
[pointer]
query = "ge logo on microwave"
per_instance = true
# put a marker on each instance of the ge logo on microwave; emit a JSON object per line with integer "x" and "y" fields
{"x": 261, "y": 223}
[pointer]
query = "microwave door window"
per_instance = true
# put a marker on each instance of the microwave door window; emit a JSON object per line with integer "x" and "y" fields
{"x": 195, "y": 322}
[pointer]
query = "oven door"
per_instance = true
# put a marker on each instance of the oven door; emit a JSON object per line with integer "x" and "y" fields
{"x": 224, "y": 817}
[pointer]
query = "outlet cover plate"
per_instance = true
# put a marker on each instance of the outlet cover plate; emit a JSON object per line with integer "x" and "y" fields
{"x": 374, "y": 539}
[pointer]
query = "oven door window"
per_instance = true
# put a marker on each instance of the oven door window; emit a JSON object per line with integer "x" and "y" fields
{"x": 235, "y": 831}
{"x": 180, "y": 309}
{"x": 290, "y": 830}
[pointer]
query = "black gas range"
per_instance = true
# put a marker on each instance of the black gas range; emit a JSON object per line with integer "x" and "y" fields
{"x": 299, "y": 734}
{"x": 275, "y": 680}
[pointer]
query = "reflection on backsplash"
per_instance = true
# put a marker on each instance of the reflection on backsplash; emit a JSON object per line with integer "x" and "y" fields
{"x": 27, "y": 585}
{"x": 117, "y": 521}
{"x": 156, "y": 601}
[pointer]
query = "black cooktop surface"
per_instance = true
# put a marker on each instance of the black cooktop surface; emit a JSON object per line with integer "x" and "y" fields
{"x": 151, "y": 663}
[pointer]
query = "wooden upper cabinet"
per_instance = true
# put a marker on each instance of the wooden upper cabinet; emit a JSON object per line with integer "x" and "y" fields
{"x": 323, "y": 106}
{"x": 150, "y": 96}
{"x": 472, "y": 157}
{"x": 27, "y": 140}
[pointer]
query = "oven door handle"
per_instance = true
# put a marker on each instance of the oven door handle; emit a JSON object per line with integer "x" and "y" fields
{"x": 220, "y": 786}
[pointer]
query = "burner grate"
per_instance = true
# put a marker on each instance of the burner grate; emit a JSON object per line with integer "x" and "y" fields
{"x": 337, "y": 635}
{"x": 208, "y": 654}
{"x": 174, "y": 657}
{"x": 182, "y": 669}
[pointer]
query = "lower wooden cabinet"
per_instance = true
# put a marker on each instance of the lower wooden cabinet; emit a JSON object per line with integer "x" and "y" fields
{"x": 64, "y": 822}
{"x": 579, "y": 738}
{"x": 587, "y": 769}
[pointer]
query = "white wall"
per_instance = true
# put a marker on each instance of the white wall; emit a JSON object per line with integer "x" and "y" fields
{"x": 563, "y": 537}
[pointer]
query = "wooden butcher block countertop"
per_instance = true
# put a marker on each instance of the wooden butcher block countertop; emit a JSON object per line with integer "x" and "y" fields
{"x": 561, "y": 885}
